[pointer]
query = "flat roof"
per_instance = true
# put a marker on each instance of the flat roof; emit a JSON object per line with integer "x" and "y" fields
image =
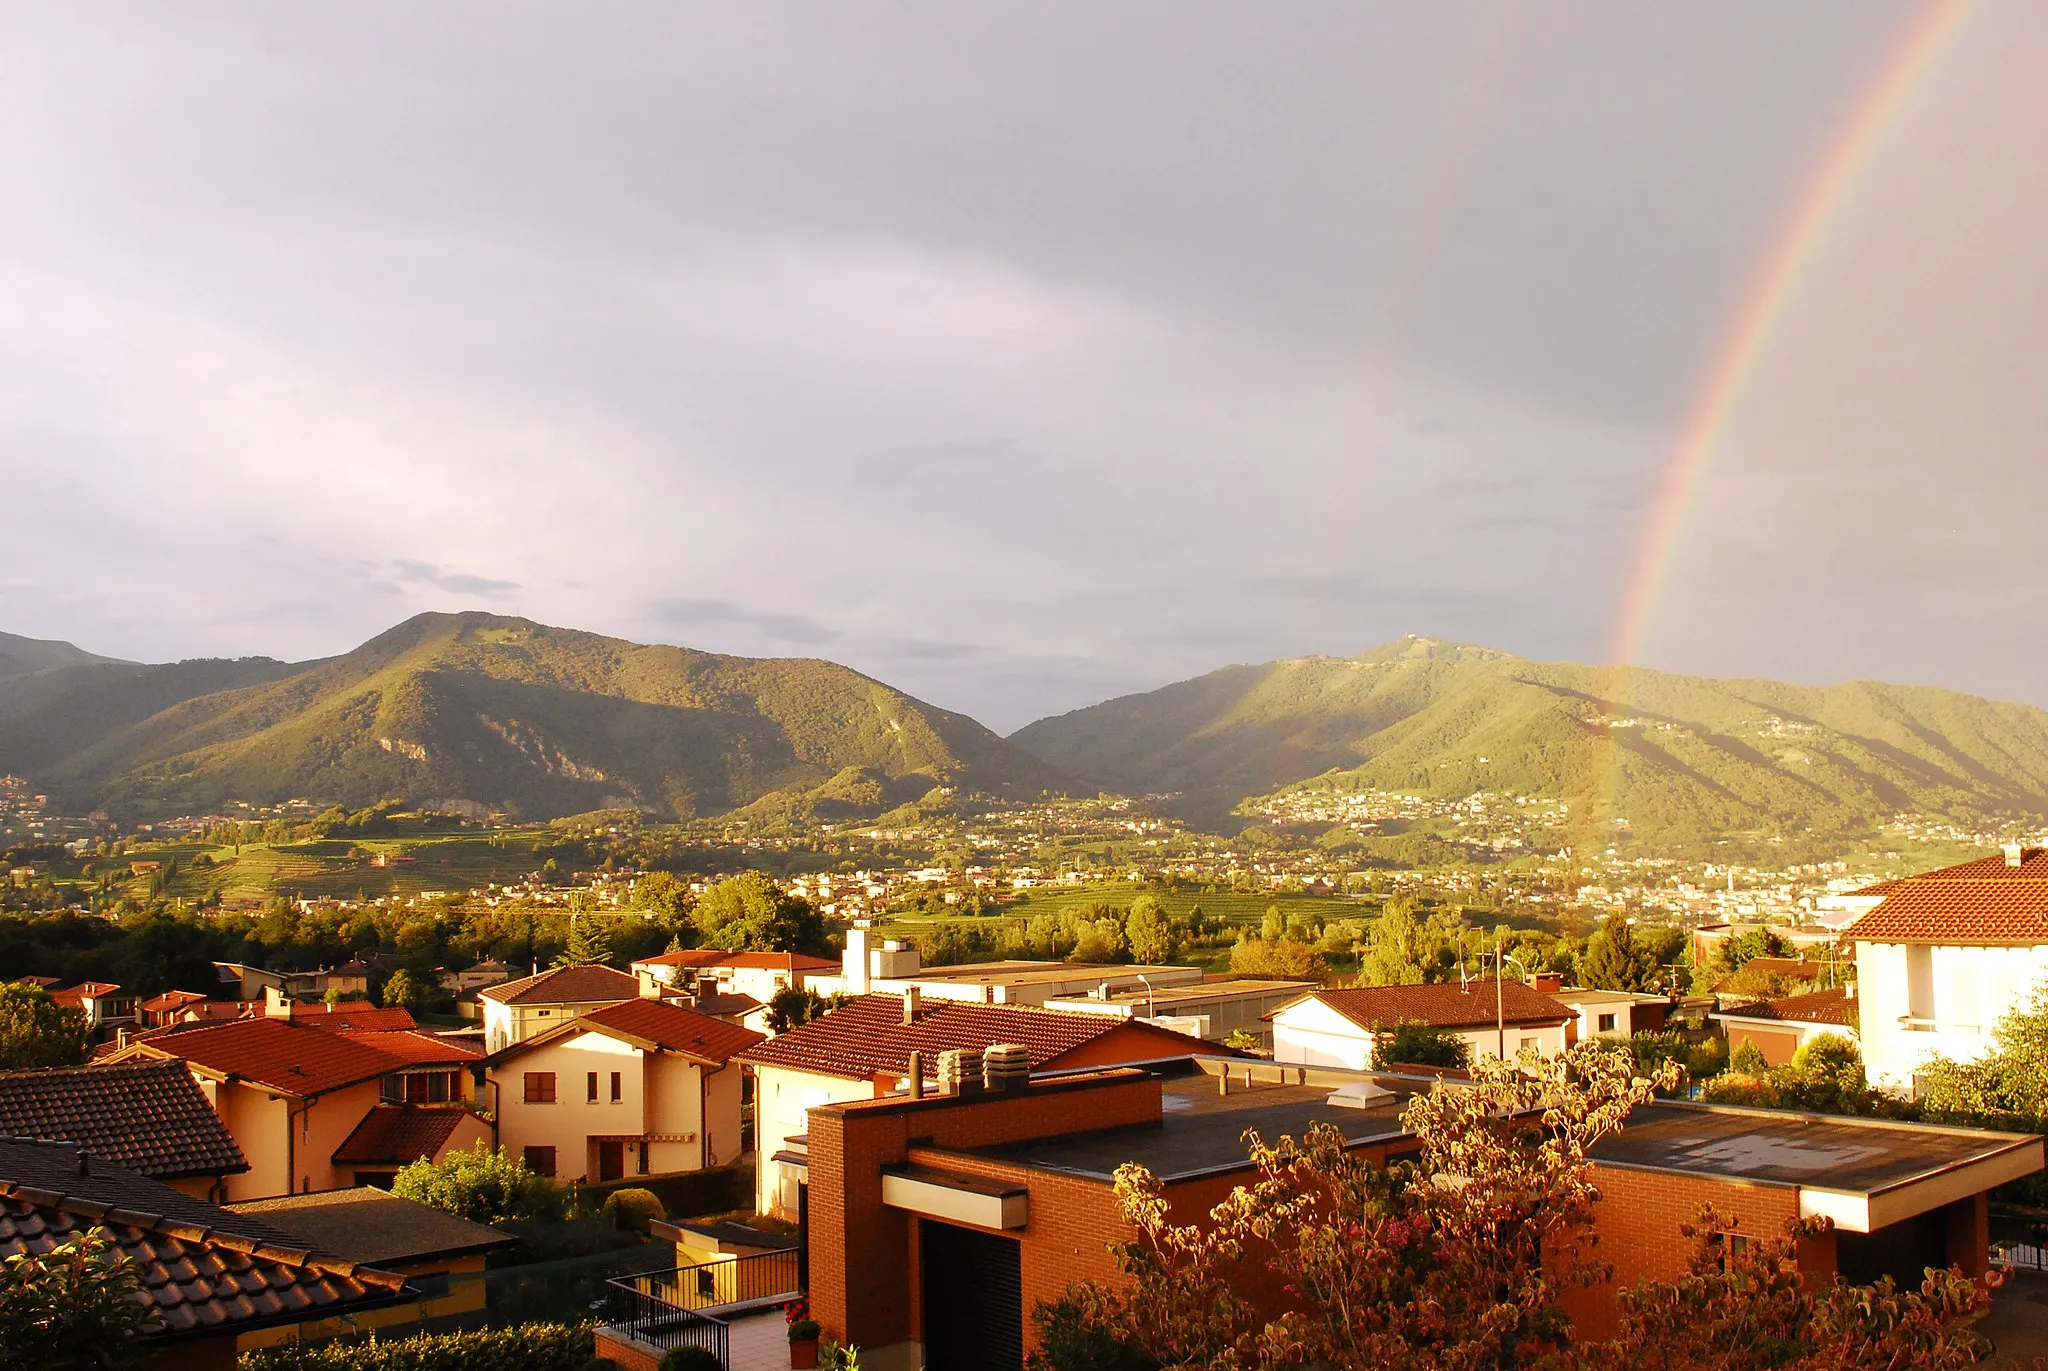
{"x": 1208, "y": 990}
{"x": 1021, "y": 972}
{"x": 1201, "y": 1130}
{"x": 1813, "y": 1151}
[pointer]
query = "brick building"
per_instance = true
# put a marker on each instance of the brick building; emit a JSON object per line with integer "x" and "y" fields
{"x": 934, "y": 1225}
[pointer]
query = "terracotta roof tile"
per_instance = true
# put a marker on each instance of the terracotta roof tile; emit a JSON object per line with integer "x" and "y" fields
{"x": 149, "y": 1116}
{"x": 371, "y": 1226}
{"x": 420, "y": 1048}
{"x": 397, "y": 1134}
{"x": 1444, "y": 1006}
{"x": 566, "y": 985}
{"x": 1939, "y": 908}
{"x": 1822, "y": 1006}
{"x": 673, "y": 1028}
{"x": 354, "y": 1015}
{"x": 867, "y": 1037}
{"x": 201, "y": 1267}
{"x": 282, "y": 1055}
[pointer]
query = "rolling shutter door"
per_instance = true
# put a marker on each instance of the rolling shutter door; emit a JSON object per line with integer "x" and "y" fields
{"x": 973, "y": 1299}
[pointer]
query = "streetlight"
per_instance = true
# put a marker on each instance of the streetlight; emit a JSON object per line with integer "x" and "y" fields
{"x": 1151, "y": 1010}
{"x": 1500, "y": 1013}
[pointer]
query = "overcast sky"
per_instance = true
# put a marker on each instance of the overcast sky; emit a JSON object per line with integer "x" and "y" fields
{"x": 1019, "y": 355}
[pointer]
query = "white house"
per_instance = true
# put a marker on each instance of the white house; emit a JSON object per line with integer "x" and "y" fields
{"x": 1944, "y": 957}
{"x": 1337, "y": 1027}
{"x": 516, "y": 1010}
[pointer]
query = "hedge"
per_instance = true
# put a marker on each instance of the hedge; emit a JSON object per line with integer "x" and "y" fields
{"x": 686, "y": 1194}
{"x": 527, "y": 1347}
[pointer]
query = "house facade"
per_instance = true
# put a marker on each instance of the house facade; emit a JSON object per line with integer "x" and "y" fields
{"x": 1944, "y": 957}
{"x": 514, "y": 1011}
{"x": 641, "y": 1087}
{"x": 1779, "y": 1028}
{"x": 1338, "y": 1028}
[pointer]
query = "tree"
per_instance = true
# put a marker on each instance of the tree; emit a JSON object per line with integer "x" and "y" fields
{"x": 1403, "y": 950}
{"x": 1100, "y": 940}
{"x": 1279, "y": 959}
{"x": 589, "y": 943}
{"x": 404, "y": 990}
{"x": 1615, "y": 960}
{"x": 793, "y": 1006}
{"x": 1419, "y": 1044}
{"x": 2007, "y": 1086}
{"x": 750, "y": 913}
{"x": 1149, "y": 932}
{"x": 480, "y": 1185}
{"x": 77, "y": 1307}
{"x": 37, "y": 1031}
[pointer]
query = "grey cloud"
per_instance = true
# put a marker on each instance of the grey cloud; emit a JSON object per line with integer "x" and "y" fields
{"x": 456, "y": 582}
{"x": 689, "y": 614}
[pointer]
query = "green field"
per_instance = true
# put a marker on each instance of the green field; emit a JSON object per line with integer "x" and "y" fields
{"x": 342, "y": 868}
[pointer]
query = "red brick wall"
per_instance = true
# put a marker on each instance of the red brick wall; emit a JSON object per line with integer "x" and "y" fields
{"x": 1637, "y": 1224}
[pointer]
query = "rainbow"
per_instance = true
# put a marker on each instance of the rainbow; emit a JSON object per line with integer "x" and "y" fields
{"x": 1720, "y": 392}
{"x": 1734, "y": 361}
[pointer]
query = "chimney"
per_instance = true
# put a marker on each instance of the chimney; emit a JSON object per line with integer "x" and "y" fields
{"x": 2014, "y": 854}
{"x": 915, "y": 1070}
{"x": 1849, "y": 990}
{"x": 910, "y": 997}
{"x": 1005, "y": 1067}
{"x": 853, "y": 962}
{"x": 276, "y": 1004}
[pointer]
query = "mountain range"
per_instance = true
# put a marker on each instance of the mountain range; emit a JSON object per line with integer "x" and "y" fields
{"x": 506, "y": 714}
{"x": 1672, "y": 758}
{"x": 498, "y": 713}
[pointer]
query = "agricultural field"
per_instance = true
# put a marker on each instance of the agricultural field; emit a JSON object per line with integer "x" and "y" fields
{"x": 414, "y": 864}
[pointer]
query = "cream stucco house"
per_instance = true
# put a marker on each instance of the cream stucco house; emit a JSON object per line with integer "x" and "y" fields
{"x": 1338, "y": 1027}
{"x": 635, "y": 1088}
{"x": 516, "y": 1010}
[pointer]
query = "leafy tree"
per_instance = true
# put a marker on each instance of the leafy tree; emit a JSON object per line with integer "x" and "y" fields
{"x": 1419, "y": 1044}
{"x": 660, "y": 893}
{"x": 2007, "y": 1086}
{"x": 77, "y": 1307}
{"x": 1616, "y": 960}
{"x": 1149, "y": 932}
{"x": 1748, "y": 1059}
{"x": 589, "y": 943}
{"x": 480, "y": 1185}
{"x": 1404, "y": 950}
{"x": 1386, "y": 1266}
{"x": 1279, "y": 959}
{"x": 404, "y": 990}
{"x": 1274, "y": 926}
{"x": 1101, "y": 940}
{"x": 750, "y": 913}
{"x": 793, "y": 1006}
{"x": 37, "y": 1031}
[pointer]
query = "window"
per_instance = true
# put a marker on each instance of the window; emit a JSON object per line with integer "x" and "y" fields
{"x": 590, "y": 1086}
{"x": 617, "y": 1093}
{"x": 1606, "y": 1023}
{"x": 643, "y": 1158}
{"x": 1920, "y": 985}
{"x": 429, "y": 1087}
{"x": 432, "y": 1285}
{"x": 540, "y": 1089}
{"x": 1527, "y": 1043}
{"x": 540, "y": 1160}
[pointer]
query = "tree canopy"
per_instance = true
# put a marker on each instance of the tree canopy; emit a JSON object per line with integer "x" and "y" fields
{"x": 750, "y": 913}
{"x": 481, "y": 1185}
{"x": 37, "y": 1031}
{"x": 1616, "y": 959}
{"x": 77, "y": 1307}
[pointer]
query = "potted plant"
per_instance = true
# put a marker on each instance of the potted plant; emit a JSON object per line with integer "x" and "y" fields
{"x": 803, "y": 1335}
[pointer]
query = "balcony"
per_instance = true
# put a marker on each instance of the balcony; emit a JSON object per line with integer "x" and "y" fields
{"x": 695, "y": 1306}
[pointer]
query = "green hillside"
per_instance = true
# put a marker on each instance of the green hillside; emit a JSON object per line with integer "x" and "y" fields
{"x": 510, "y": 715}
{"x": 1680, "y": 759}
{"x": 27, "y": 656}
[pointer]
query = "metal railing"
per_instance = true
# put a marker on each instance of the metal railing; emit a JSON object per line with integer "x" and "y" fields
{"x": 724, "y": 1283}
{"x": 649, "y": 1319}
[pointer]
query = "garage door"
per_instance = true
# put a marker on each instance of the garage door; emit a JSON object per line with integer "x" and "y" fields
{"x": 973, "y": 1299}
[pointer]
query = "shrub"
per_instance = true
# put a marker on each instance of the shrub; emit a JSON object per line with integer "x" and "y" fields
{"x": 1420, "y": 1044}
{"x": 691, "y": 1359}
{"x": 631, "y": 1208}
{"x": 73, "y": 1306}
{"x": 480, "y": 1185}
{"x": 527, "y": 1347}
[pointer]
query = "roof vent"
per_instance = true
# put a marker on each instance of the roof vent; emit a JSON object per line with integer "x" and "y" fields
{"x": 2014, "y": 854}
{"x": 1006, "y": 1067}
{"x": 959, "y": 1071}
{"x": 1359, "y": 1095}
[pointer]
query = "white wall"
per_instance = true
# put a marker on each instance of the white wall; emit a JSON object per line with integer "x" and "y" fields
{"x": 1310, "y": 1033}
{"x": 782, "y": 1101}
{"x": 1969, "y": 990}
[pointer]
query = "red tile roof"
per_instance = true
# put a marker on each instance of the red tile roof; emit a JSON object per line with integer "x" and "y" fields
{"x": 1448, "y": 1005}
{"x": 672, "y": 1028}
{"x": 202, "y": 1269}
{"x": 1822, "y": 1006}
{"x": 867, "y": 1037}
{"x": 708, "y": 957}
{"x": 358, "y": 1015}
{"x": 1986, "y": 901}
{"x": 399, "y": 1134}
{"x": 172, "y": 999}
{"x": 591, "y": 984}
{"x": 420, "y": 1048}
{"x": 149, "y": 1116}
{"x": 282, "y": 1056}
